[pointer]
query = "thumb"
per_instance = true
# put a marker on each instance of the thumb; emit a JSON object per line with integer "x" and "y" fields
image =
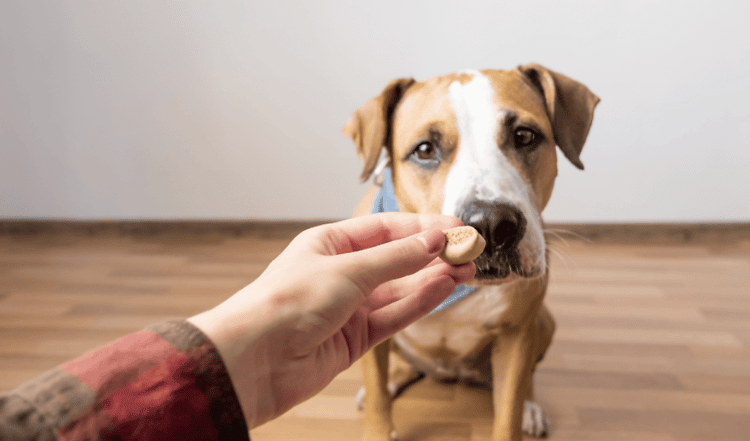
{"x": 374, "y": 266}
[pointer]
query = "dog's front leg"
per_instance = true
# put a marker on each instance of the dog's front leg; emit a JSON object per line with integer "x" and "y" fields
{"x": 512, "y": 357}
{"x": 378, "y": 422}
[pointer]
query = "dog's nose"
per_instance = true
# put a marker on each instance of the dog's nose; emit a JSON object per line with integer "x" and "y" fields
{"x": 501, "y": 224}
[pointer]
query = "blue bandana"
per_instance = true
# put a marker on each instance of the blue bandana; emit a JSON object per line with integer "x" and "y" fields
{"x": 385, "y": 202}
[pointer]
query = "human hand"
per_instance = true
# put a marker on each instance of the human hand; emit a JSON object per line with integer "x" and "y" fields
{"x": 336, "y": 291}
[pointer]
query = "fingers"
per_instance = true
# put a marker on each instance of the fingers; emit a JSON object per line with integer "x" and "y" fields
{"x": 368, "y": 231}
{"x": 372, "y": 267}
{"x": 427, "y": 292}
{"x": 398, "y": 289}
{"x": 379, "y": 248}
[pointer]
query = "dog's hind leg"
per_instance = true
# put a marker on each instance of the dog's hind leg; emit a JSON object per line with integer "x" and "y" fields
{"x": 545, "y": 329}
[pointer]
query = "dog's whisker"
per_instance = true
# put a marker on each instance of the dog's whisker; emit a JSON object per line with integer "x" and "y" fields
{"x": 558, "y": 232}
{"x": 554, "y": 235}
{"x": 569, "y": 263}
{"x": 561, "y": 254}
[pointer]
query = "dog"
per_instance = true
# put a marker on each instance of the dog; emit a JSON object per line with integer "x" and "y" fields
{"x": 481, "y": 146}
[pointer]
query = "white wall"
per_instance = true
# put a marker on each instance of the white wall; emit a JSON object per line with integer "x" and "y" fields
{"x": 233, "y": 109}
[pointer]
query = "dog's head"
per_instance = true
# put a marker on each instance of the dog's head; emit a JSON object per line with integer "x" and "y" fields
{"x": 480, "y": 146}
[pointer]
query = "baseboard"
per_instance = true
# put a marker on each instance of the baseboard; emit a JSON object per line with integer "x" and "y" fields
{"x": 678, "y": 233}
{"x": 661, "y": 233}
{"x": 156, "y": 227}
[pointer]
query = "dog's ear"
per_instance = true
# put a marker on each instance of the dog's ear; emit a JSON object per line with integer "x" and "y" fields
{"x": 370, "y": 125}
{"x": 570, "y": 106}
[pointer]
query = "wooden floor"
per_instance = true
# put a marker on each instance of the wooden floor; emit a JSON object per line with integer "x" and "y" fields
{"x": 652, "y": 344}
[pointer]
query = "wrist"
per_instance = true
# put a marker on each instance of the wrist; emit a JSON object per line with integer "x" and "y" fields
{"x": 242, "y": 343}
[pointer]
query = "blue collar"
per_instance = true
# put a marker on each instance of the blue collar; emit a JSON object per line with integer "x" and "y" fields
{"x": 385, "y": 202}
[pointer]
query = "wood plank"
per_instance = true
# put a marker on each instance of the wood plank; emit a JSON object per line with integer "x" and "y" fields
{"x": 652, "y": 343}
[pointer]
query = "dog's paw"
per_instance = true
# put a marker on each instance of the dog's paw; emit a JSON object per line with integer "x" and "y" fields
{"x": 360, "y": 399}
{"x": 379, "y": 431}
{"x": 371, "y": 437}
{"x": 534, "y": 420}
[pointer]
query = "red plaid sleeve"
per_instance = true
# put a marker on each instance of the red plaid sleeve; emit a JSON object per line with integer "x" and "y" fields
{"x": 166, "y": 382}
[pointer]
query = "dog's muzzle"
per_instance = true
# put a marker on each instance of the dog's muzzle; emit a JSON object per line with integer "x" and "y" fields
{"x": 502, "y": 225}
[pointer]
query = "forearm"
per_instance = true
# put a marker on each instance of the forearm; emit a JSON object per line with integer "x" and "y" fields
{"x": 165, "y": 382}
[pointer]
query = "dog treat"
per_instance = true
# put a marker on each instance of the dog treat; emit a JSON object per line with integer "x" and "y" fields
{"x": 463, "y": 244}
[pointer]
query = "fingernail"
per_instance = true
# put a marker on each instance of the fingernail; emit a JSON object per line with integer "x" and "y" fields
{"x": 433, "y": 241}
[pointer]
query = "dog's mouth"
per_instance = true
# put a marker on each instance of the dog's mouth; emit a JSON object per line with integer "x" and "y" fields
{"x": 491, "y": 282}
{"x": 501, "y": 265}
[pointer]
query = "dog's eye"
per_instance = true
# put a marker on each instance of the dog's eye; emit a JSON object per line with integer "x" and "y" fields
{"x": 524, "y": 137}
{"x": 426, "y": 151}
{"x": 426, "y": 155}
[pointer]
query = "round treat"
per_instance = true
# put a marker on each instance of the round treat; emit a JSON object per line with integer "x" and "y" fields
{"x": 463, "y": 244}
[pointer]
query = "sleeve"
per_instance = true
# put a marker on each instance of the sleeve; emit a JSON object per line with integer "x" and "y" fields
{"x": 165, "y": 382}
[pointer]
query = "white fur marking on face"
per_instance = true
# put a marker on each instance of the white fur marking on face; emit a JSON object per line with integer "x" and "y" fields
{"x": 481, "y": 171}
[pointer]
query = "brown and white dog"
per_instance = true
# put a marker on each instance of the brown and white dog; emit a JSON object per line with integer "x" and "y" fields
{"x": 478, "y": 145}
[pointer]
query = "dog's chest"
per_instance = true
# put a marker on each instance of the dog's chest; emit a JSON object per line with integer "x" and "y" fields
{"x": 449, "y": 342}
